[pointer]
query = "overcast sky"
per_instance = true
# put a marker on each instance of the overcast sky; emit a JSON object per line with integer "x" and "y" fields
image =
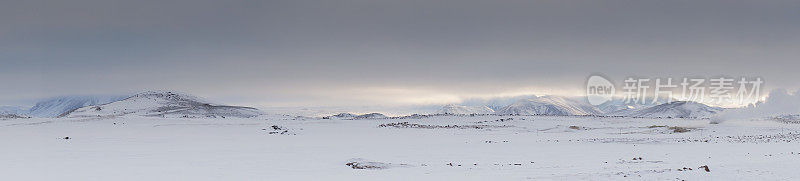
{"x": 358, "y": 52}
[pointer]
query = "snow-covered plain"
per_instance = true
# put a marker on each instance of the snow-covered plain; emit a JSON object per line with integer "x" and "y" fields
{"x": 489, "y": 147}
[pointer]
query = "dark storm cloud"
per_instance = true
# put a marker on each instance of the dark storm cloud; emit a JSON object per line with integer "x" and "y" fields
{"x": 317, "y": 52}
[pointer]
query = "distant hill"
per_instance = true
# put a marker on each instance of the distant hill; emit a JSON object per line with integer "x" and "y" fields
{"x": 617, "y": 107}
{"x": 53, "y": 107}
{"x": 164, "y": 104}
{"x": 550, "y": 105}
{"x": 677, "y": 109}
{"x": 458, "y": 109}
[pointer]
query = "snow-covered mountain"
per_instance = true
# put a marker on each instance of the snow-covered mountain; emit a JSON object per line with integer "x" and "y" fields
{"x": 677, "y": 109}
{"x": 458, "y": 109}
{"x": 164, "y": 104}
{"x": 495, "y": 103}
{"x": 616, "y": 107}
{"x": 57, "y": 106}
{"x": 550, "y": 105}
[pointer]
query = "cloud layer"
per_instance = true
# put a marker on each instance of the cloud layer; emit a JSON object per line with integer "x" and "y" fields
{"x": 305, "y": 52}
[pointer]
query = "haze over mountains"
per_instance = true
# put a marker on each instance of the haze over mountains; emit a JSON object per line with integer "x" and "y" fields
{"x": 495, "y": 103}
{"x": 172, "y": 104}
{"x": 459, "y": 109}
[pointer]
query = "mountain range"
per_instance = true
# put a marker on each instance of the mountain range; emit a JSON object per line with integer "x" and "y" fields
{"x": 550, "y": 105}
{"x": 565, "y": 106}
{"x": 173, "y": 104}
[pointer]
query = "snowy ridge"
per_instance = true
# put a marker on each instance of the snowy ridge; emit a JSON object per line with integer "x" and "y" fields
{"x": 677, "y": 109}
{"x": 57, "y": 106}
{"x": 458, "y": 109}
{"x": 549, "y": 105}
{"x": 164, "y": 104}
{"x": 617, "y": 107}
